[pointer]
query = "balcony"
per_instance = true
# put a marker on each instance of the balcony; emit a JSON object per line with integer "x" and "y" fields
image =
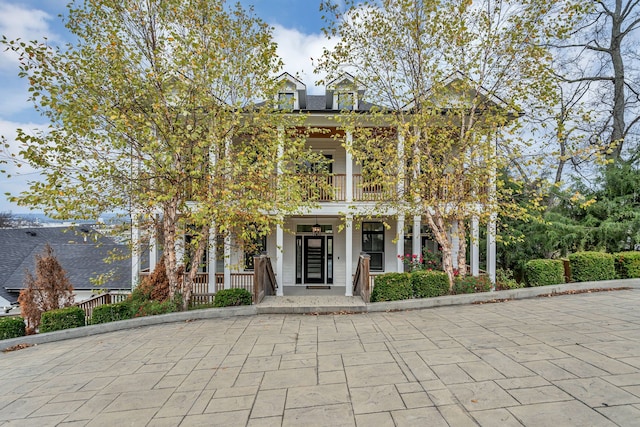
{"x": 333, "y": 188}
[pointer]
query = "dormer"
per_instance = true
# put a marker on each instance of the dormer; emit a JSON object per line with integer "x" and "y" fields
{"x": 343, "y": 93}
{"x": 292, "y": 94}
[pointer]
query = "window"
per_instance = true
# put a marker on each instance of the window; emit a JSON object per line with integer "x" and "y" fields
{"x": 373, "y": 244}
{"x": 345, "y": 101}
{"x": 286, "y": 100}
{"x": 252, "y": 249}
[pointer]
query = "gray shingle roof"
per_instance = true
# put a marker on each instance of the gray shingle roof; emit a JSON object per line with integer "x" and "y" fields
{"x": 81, "y": 259}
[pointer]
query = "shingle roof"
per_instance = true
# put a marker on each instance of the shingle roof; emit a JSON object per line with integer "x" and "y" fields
{"x": 81, "y": 259}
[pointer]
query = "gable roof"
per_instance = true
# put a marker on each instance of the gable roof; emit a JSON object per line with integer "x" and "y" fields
{"x": 81, "y": 258}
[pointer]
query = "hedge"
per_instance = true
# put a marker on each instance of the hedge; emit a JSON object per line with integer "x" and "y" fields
{"x": 111, "y": 312}
{"x": 12, "y": 327}
{"x": 62, "y": 318}
{"x": 627, "y": 265}
{"x": 232, "y": 297}
{"x": 392, "y": 287}
{"x": 542, "y": 272}
{"x": 471, "y": 284}
{"x": 427, "y": 284}
{"x": 590, "y": 266}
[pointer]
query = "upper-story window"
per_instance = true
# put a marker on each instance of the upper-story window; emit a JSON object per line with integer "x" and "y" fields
{"x": 286, "y": 100}
{"x": 291, "y": 94}
{"x": 345, "y": 101}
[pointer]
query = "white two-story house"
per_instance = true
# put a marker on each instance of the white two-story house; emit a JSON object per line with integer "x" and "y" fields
{"x": 320, "y": 247}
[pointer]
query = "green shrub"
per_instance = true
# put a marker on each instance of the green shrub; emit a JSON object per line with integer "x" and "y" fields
{"x": 427, "y": 284}
{"x": 62, "y": 318}
{"x": 627, "y": 265}
{"x": 12, "y": 327}
{"x": 152, "y": 308}
{"x": 505, "y": 280}
{"x": 589, "y": 266}
{"x": 471, "y": 284}
{"x": 392, "y": 287}
{"x": 111, "y": 312}
{"x": 232, "y": 297}
{"x": 542, "y": 272}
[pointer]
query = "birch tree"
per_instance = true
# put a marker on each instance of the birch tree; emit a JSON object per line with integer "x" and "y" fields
{"x": 154, "y": 111}
{"x": 450, "y": 78}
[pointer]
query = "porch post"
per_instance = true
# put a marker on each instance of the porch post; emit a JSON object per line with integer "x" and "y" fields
{"x": 491, "y": 250}
{"x": 279, "y": 260}
{"x": 400, "y": 243}
{"x": 349, "y": 167}
{"x": 211, "y": 264}
{"x": 455, "y": 243}
{"x": 416, "y": 240}
{"x": 227, "y": 260}
{"x": 475, "y": 247}
{"x": 348, "y": 256}
{"x": 153, "y": 247}
{"x": 135, "y": 250}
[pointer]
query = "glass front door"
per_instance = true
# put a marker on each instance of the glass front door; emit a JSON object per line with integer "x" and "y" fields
{"x": 314, "y": 259}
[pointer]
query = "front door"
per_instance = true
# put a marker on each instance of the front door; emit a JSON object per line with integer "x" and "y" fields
{"x": 314, "y": 260}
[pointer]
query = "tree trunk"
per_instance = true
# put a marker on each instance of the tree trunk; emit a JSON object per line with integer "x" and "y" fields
{"x": 462, "y": 249}
{"x": 617, "y": 62}
{"x": 171, "y": 262}
{"x": 187, "y": 286}
{"x": 437, "y": 224}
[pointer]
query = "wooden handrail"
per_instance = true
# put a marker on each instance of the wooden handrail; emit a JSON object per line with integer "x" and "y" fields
{"x": 264, "y": 279}
{"x": 361, "y": 281}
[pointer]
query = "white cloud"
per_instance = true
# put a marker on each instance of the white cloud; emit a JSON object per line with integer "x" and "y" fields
{"x": 27, "y": 24}
{"x": 300, "y": 52}
{"x": 19, "y": 175}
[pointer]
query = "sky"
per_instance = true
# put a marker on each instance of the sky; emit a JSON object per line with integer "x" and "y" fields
{"x": 296, "y": 26}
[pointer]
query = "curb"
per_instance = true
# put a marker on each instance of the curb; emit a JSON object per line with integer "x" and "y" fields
{"x": 253, "y": 310}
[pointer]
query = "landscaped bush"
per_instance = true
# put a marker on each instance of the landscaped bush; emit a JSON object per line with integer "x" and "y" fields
{"x": 62, "y": 318}
{"x": 111, "y": 312}
{"x": 627, "y": 265}
{"x": 471, "y": 284}
{"x": 542, "y": 272}
{"x": 392, "y": 287}
{"x": 12, "y": 327}
{"x": 232, "y": 297}
{"x": 153, "y": 308}
{"x": 427, "y": 284}
{"x": 505, "y": 280}
{"x": 589, "y": 266}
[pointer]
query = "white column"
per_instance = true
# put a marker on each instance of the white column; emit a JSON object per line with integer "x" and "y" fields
{"x": 455, "y": 244}
{"x": 279, "y": 260}
{"x": 135, "y": 251}
{"x": 349, "y": 167}
{"x": 180, "y": 249}
{"x": 401, "y": 163}
{"x": 475, "y": 247}
{"x": 491, "y": 251}
{"x": 227, "y": 261}
{"x": 416, "y": 241}
{"x": 400, "y": 244}
{"x": 211, "y": 264}
{"x": 348, "y": 255}
{"x": 153, "y": 248}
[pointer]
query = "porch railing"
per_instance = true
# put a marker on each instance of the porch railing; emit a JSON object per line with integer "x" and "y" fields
{"x": 238, "y": 280}
{"x": 110, "y": 297}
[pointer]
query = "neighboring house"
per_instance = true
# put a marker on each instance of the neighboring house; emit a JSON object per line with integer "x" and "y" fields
{"x": 80, "y": 250}
{"x": 321, "y": 247}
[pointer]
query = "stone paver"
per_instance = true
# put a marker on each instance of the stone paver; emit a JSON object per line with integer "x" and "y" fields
{"x": 562, "y": 361}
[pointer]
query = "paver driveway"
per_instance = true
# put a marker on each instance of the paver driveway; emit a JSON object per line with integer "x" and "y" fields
{"x": 561, "y": 361}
